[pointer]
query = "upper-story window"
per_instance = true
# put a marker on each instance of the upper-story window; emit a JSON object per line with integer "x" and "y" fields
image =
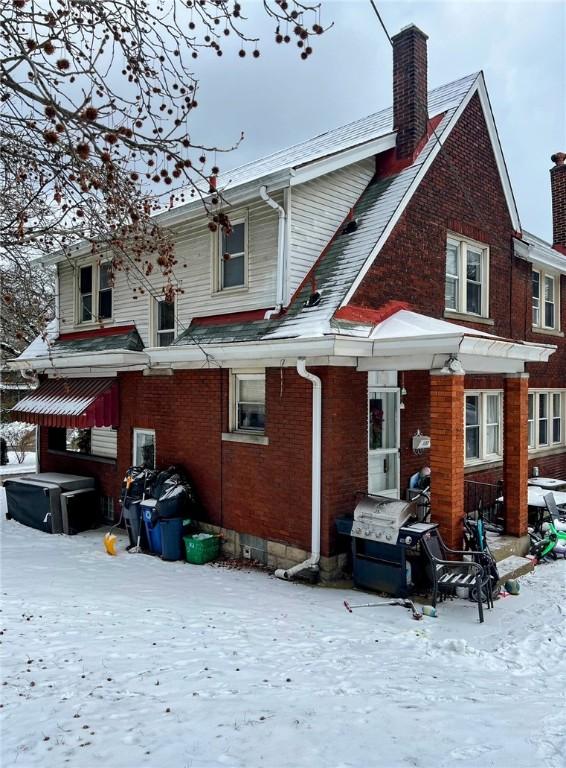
{"x": 95, "y": 292}
{"x": 545, "y": 300}
{"x": 232, "y": 268}
{"x": 164, "y": 322}
{"x": 467, "y": 277}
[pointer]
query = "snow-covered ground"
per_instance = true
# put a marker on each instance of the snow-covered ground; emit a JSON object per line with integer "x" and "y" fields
{"x": 130, "y": 661}
{"x": 28, "y": 465}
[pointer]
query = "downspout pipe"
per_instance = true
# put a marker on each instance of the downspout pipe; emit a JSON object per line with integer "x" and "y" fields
{"x": 313, "y": 561}
{"x": 281, "y": 252}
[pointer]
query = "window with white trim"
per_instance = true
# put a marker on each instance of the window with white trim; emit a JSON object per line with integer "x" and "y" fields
{"x": 546, "y": 418}
{"x": 248, "y": 402}
{"x": 467, "y": 277}
{"x": 95, "y": 292}
{"x": 232, "y": 266}
{"x": 482, "y": 426}
{"x": 164, "y": 322}
{"x": 545, "y": 300}
{"x": 143, "y": 454}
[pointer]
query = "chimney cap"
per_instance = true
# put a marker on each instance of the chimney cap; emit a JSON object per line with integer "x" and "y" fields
{"x": 558, "y": 158}
{"x": 409, "y": 28}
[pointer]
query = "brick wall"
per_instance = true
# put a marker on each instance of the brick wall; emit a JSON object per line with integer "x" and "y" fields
{"x": 263, "y": 490}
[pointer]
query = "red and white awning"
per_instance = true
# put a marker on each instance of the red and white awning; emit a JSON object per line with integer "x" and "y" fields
{"x": 71, "y": 403}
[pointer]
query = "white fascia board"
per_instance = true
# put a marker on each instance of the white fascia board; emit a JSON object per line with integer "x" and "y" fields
{"x": 96, "y": 360}
{"x": 410, "y": 192}
{"x": 544, "y": 259}
{"x": 342, "y": 158}
{"x": 418, "y": 345}
{"x": 508, "y": 350}
{"x": 407, "y": 362}
{"x": 498, "y": 152}
{"x": 329, "y": 346}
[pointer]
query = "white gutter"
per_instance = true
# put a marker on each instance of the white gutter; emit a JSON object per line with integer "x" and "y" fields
{"x": 281, "y": 253}
{"x": 313, "y": 560}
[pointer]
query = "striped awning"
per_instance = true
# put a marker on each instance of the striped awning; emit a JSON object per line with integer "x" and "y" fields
{"x": 71, "y": 403}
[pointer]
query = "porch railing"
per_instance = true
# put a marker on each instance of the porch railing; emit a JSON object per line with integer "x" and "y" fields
{"x": 485, "y": 496}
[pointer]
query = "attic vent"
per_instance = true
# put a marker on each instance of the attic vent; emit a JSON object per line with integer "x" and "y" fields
{"x": 349, "y": 227}
{"x": 313, "y": 299}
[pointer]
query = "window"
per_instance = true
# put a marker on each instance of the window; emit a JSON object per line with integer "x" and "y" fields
{"x": 545, "y": 301}
{"x": 545, "y": 418}
{"x": 95, "y": 281}
{"x": 100, "y": 442}
{"x": 164, "y": 322}
{"x": 232, "y": 266}
{"x": 144, "y": 448}
{"x": 467, "y": 269}
{"x": 248, "y": 402}
{"x": 482, "y": 426}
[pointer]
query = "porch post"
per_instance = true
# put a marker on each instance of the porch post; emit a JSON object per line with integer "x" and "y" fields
{"x": 447, "y": 454}
{"x": 515, "y": 452}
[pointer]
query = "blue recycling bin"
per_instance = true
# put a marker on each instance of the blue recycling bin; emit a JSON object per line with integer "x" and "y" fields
{"x": 153, "y": 531}
{"x": 171, "y": 538}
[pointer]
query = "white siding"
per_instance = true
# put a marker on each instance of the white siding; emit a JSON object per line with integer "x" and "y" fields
{"x": 104, "y": 442}
{"x": 317, "y": 209}
{"x": 193, "y": 274}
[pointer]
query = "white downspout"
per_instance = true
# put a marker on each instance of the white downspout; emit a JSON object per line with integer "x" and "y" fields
{"x": 281, "y": 253}
{"x": 313, "y": 560}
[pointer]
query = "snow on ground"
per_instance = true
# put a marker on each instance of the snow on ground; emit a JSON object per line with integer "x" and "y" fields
{"x": 131, "y": 661}
{"x": 12, "y": 468}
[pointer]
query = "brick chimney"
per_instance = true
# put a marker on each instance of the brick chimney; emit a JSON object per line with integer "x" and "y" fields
{"x": 558, "y": 190}
{"x": 410, "y": 113}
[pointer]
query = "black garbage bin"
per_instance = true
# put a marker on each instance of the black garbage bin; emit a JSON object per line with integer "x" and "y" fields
{"x": 133, "y": 521}
{"x": 171, "y": 538}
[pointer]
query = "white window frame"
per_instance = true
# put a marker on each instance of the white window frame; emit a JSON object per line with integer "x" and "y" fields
{"x": 136, "y": 434}
{"x": 484, "y": 456}
{"x": 553, "y": 396}
{"x": 219, "y": 258}
{"x": 540, "y": 321}
{"x": 463, "y": 245}
{"x": 156, "y": 330}
{"x": 96, "y": 266}
{"x": 237, "y": 375}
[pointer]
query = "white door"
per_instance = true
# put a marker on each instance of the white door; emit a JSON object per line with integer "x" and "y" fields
{"x": 383, "y": 442}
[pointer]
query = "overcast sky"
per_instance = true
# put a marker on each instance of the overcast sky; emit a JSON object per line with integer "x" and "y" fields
{"x": 278, "y": 100}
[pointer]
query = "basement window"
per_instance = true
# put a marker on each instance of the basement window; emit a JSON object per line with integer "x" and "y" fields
{"x": 467, "y": 277}
{"x": 483, "y": 426}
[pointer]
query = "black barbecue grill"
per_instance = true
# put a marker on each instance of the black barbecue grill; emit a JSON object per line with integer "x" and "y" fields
{"x": 385, "y": 537}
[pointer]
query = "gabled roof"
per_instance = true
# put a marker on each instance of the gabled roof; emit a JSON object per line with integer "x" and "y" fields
{"x": 346, "y": 259}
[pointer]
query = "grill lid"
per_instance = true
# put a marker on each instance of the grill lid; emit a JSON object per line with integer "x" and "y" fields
{"x": 379, "y": 518}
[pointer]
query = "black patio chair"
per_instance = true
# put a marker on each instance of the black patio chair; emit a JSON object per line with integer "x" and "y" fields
{"x": 447, "y": 574}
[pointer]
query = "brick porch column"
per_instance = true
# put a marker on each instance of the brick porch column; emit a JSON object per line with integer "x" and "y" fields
{"x": 515, "y": 452}
{"x": 447, "y": 454}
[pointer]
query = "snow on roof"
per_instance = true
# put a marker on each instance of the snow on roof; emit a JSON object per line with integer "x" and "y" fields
{"x": 41, "y": 344}
{"x": 382, "y": 200}
{"x": 331, "y": 142}
{"x": 412, "y": 325}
